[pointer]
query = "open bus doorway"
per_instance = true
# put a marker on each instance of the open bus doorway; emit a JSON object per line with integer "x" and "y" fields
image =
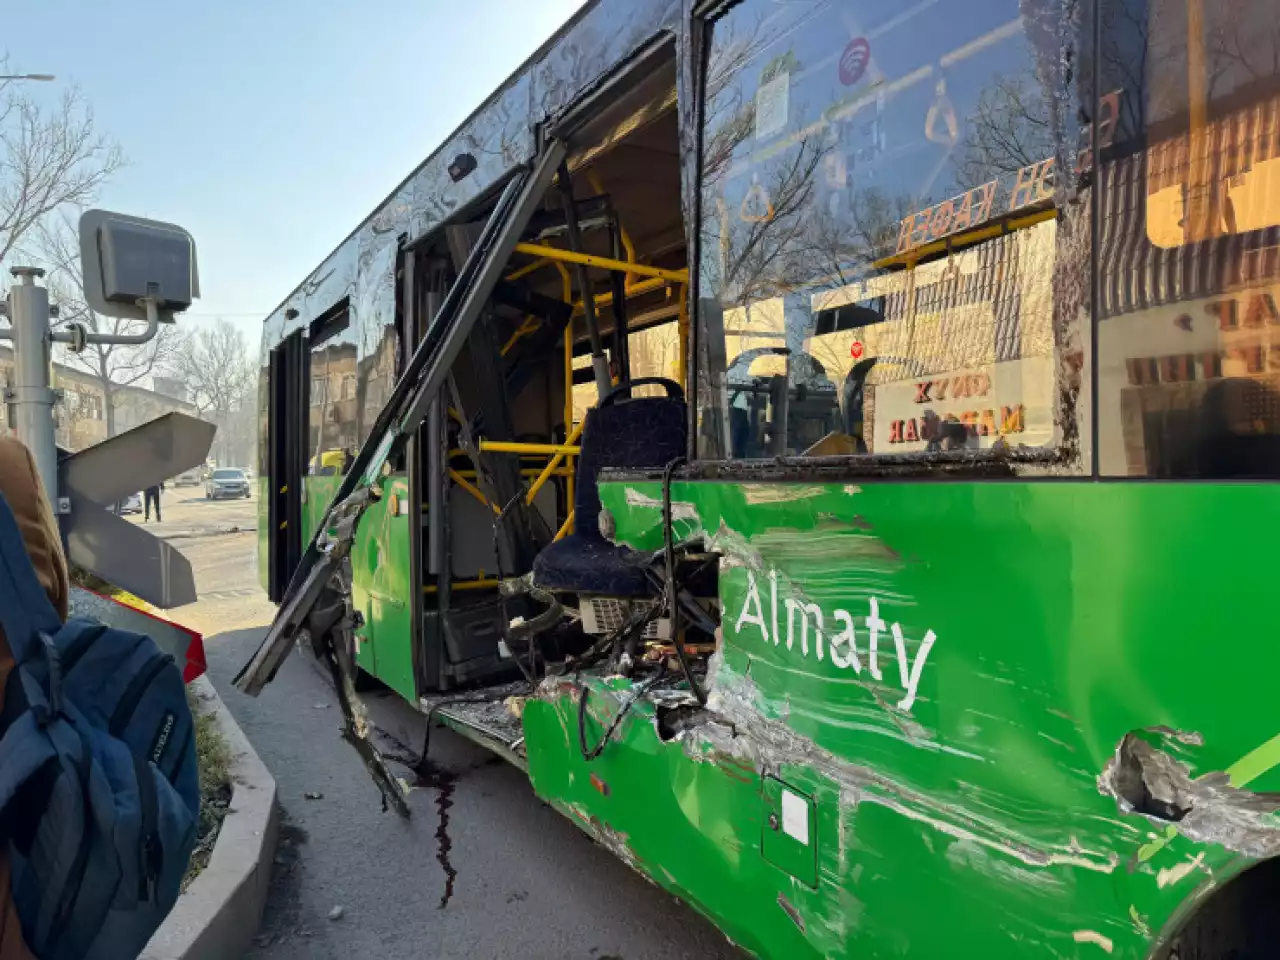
{"x": 286, "y": 460}
{"x": 499, "y": 450}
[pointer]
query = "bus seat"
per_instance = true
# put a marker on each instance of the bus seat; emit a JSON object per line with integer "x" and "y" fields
{"x": 644, "y": 432}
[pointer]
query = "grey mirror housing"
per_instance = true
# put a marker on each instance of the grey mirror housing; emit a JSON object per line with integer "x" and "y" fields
{"x": 136, "y": 268}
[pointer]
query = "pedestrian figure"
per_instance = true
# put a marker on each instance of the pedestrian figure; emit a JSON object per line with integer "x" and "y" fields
{"x": 152, "y": 495}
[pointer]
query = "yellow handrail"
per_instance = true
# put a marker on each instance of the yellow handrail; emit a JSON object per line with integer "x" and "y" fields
{"x": 604, "y": 263}
{"x": 472, "y": 489}
{"x": 511, "y": 446}
{"x": 487, "y": 583}
{"x": 527, "y": 472}
{"x": 567, "y": 285}
{"x": 553, "y": 464}
{"x": 527, "y": 269}
{"x": 568, "y": 526}
{"x": 531, "y": 323}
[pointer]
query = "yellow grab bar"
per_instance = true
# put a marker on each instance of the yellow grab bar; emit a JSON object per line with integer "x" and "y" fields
{"x": 510, "y": 446}
{"x": 472, "y": 489}
{"x": 486, "y": 584}
{"x": 553, "y": 464}
{"x": 604, "y": 263}
{"x": 568, "y": 526}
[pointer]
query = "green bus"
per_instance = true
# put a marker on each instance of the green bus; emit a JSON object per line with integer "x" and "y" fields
{"x": 824, "y": 443}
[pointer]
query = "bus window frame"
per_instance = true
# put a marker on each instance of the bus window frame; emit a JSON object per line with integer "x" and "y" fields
{"x": 980, "y": 464}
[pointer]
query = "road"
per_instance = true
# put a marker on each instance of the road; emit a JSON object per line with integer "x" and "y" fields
{"x": 526, "y": 882}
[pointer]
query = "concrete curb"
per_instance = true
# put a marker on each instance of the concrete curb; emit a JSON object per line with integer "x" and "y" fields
{"x": 218, "y": 915}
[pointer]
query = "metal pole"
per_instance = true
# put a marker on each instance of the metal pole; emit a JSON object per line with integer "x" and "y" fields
{"x": 33, "y": 396}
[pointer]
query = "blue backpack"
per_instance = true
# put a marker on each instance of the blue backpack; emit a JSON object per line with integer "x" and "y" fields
{"x": 99, "y": 793}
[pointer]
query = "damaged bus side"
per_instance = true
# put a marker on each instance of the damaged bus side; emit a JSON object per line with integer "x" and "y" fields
{"x": 823, "y": 443}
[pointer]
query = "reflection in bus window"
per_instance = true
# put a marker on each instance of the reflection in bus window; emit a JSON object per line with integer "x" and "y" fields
{"x": 1189, "y": 331}
{"x": 655, "y": 352}
{"x": 333, "y": 414}
{"x": 879, "y": 232}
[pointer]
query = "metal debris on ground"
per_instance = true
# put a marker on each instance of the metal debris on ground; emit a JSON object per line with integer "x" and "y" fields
{"x": 336, "y": 913}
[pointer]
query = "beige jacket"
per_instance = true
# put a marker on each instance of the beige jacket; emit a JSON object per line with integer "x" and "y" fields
{"x": 22, "y": 489}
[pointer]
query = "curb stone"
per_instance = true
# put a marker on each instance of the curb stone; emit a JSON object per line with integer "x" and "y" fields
{"x": 219, "y": 913}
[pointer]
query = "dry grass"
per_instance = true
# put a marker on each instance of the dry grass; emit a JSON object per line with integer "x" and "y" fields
{"x": 214, "y": 760}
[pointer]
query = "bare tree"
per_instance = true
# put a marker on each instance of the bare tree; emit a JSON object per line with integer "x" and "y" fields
{"x": 220, "y": 375}
{"x": 113, "y": 366}
{"x": 50, "y": 157}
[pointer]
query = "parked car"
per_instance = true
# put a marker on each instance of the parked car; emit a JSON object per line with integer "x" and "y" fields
{"x": 130, "y": 504}
{"x": 191, "y": 478}
{"x": 227, "y": 483}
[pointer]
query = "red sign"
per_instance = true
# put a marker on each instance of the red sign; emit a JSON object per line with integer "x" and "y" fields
{"x": 854, "y": 60}
{"x": 855, "y": 349}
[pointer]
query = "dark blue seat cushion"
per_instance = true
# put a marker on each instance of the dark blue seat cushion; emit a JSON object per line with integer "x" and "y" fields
{"x": 645, "y": 433}
{"x": 587, "y": 564}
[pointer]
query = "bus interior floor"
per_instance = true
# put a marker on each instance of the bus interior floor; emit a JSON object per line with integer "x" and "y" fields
{"x": 491, "y": 713}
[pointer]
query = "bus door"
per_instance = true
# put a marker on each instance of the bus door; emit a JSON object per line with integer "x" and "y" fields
{"x": 287, "y": 460}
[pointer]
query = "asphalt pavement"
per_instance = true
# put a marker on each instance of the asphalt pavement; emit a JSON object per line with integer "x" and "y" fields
{"x": 483, "y": 869}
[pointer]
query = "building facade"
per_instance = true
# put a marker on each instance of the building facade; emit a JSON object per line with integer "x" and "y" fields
{"x": 81, "y": 415}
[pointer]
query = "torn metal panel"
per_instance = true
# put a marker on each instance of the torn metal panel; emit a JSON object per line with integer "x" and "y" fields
{"x": 1145, "y": 779}
{"x": 985, "y": 782}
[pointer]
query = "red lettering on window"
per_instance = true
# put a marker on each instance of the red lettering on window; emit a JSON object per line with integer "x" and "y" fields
{"x": 895, "y": 431}
{"x": 987, "y": 423}
{"x": 904, "y": 234}
{"x": 1250, "y": 356}
{"x": 981, "y": 384}
{"x": 940, "y": 386}
{"x": 1034, "y": 183}
{"x": 920, "y": 228}
{"x": 1262, "y": 309}
{"x": 963, "y": 218}
{"x": 912, "y": 434}
{"x": 987, "y": 192}
{"x": 940, "y": 221}
{"x": 1011, "y": 419}
{"x": 922, "y": 391}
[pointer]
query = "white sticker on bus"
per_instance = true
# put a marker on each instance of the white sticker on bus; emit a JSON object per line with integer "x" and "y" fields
{"x": 843, "y": 646}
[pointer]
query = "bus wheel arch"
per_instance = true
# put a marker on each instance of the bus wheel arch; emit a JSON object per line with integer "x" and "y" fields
{"x": 1237, "y": 920}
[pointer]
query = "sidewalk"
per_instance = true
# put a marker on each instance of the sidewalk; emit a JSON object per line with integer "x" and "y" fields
{"x": 525, "y": 883}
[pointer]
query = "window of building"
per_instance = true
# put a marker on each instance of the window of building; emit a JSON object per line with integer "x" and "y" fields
{"x": 879, "y": 229}
{"x": 1189, "y": 266}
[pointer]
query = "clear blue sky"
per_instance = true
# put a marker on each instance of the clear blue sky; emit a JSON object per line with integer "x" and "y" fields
{"x": 270, "y": 128}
